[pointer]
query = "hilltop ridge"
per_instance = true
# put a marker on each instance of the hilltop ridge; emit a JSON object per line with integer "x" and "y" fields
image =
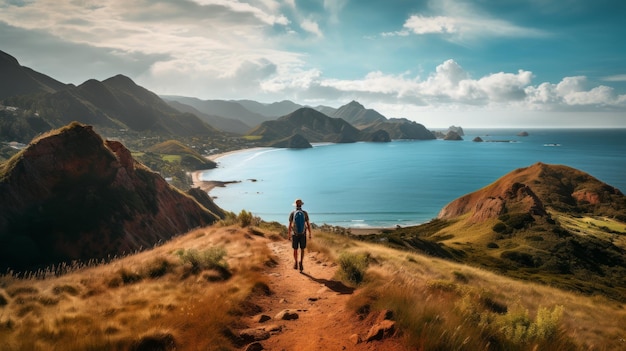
{"x": 548, "y": 223}
{"x": 70, "y": 195}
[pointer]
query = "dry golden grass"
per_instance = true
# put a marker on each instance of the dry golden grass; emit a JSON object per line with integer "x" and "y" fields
{"x": 153, "y": 296}
{"x": 441, "y": 305}
{"x": 158, "y": 298}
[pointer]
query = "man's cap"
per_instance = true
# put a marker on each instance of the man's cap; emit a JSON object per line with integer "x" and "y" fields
{"x": 295, "y": 203}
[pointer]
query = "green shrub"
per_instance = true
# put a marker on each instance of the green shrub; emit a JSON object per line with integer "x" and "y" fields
{"x": 211, "y": 258}
{"x": 518, "y": 328}
{"x": 245, "y": 218}
{"x": 352, "y": 267}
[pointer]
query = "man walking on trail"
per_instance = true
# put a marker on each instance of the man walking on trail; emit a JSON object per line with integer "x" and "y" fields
{"x": 298, "y": 224}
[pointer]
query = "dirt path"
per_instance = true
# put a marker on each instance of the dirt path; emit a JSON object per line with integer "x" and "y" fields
{"x": 323, "y": 320}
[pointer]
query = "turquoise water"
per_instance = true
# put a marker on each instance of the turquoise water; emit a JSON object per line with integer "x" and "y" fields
{"x": 402, "y": 182}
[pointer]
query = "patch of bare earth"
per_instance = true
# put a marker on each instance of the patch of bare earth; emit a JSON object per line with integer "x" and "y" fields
{"x": 308, "y": 310}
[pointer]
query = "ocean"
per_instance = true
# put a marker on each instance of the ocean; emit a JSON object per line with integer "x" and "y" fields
{"x": 403, "y": 182}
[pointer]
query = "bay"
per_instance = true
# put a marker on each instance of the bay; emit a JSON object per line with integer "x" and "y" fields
{"x": 402, "y": 182}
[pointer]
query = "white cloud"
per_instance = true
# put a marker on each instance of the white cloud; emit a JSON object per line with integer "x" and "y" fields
{"x": 439, "y": 24}
{"x": 615, "y": 78}
{"x": 572, "y": 92}
{"x": 451, "y": 87}
{"x": 312, "y": 27}
{"x": 459, "y": 21}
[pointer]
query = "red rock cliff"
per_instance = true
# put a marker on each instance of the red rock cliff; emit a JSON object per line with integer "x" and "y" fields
{"x": 71, "y": 195}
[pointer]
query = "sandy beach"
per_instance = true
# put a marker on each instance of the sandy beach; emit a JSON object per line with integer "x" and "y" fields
{"x": 208, "y": 185}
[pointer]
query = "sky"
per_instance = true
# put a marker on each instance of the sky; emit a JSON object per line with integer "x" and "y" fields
{"x": 480, "y": 63}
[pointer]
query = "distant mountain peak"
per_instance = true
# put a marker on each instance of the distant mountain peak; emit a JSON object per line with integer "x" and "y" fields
{"x": 120, "y": 80}
{"x": 357, "y": 115}
{"x": 355, "y": 103}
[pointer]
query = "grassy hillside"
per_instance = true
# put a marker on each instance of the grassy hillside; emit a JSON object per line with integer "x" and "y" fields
{"x": 196, "y": 291}
{"x": 549, "y": 224}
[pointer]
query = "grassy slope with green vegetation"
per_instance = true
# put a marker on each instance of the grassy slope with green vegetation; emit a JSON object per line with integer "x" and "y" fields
{"x": 576, "y": 242}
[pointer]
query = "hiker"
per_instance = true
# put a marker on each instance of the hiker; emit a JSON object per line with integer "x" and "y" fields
{"x": 298, "y": 224}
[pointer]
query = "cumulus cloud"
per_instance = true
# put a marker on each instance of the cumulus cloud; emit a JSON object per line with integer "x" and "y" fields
{"x": 459, "y": 21}
{"x": 573, "y": 92}
{"x": 450, "y": 85}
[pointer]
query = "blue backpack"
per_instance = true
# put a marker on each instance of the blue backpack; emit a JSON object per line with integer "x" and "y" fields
{"x": 299, "y": 221}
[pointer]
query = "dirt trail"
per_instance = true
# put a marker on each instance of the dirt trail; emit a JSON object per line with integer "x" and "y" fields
{"x": 324, "y": 322}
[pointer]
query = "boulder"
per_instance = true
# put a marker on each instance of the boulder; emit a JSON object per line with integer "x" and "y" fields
{"x": 286, "y": 315}
{"x": 381, "y": 330}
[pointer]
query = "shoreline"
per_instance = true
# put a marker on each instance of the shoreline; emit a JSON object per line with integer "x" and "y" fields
{"x": 208, "y": 185}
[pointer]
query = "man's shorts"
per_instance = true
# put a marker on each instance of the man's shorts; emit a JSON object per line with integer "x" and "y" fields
{"x": 298, "y": 240}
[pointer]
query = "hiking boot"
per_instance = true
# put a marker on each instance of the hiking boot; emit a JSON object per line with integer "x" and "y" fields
{"x": 295, "y": 265}
{"x": 301, "y": 267}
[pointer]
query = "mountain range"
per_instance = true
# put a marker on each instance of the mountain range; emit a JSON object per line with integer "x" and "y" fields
{"x": 38, "y": 103}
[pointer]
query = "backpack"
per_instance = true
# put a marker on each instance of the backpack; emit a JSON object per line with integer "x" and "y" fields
{"x": 299, "y": 221}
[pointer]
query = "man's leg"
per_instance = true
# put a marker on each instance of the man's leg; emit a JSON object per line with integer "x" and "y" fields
{"x": 301, "y": 259}
{"x": 295, "y": 258}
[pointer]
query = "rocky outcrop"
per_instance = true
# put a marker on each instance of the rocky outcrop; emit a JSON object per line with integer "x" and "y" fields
{"x": 452, "y": 136}
{"x": 70, "y": 195}
{"x": 380, "y": 136}
{"x": 457, "y": 129}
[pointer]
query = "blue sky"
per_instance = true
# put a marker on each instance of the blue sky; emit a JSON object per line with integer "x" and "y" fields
{"x": 482, "y": 63}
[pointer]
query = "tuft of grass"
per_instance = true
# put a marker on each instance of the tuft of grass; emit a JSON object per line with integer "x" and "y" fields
{"x": 211, "y": 258}
{"x": 158, "y": 267}
{"x": 244, "y": 219}
{"x": 352, "y": 267}
{"x": 518, "y": 328}
{"x": 4, "y": 300}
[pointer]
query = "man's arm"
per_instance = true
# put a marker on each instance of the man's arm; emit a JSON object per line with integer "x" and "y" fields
{"x": 289, "y": 231}
{"x": 308, "y": 224}
{"x": 289, "y": 226}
